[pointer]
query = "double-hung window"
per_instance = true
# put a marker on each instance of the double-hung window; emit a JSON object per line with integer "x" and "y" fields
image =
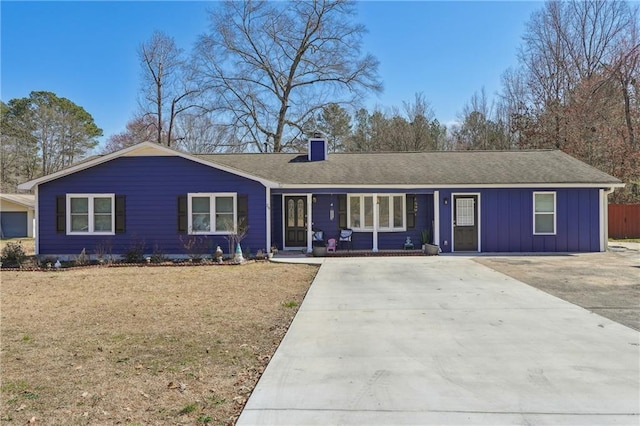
{"x": 391, "y": 212}
{"x": 212, "y": 213}
{"x": 544, "y": 213}
{"x": 90, "y": 214}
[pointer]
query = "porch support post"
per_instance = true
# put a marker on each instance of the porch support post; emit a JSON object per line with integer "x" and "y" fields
{"x": 36, "y": 227}
{"x": 604, "y": 218}
{"x": 436, "y": 218}
{"x": 309, "y": 219}
{"x": 376, "y": 215}
{"x": 268, "y": 217}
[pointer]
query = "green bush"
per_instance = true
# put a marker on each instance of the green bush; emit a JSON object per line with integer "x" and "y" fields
{"x": 13, "y": 255}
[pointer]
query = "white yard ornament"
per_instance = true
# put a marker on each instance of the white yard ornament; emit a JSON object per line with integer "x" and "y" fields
{"x": 219, "y": 254}
{"x": 238, "y": 257}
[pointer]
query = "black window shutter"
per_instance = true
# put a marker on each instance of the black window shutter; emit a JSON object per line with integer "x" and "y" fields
{"x": 411, "y": 213}
{"x": 61, "y": 216}
{"x": 182, "y": 214}
{"x": 120, "y": 214}
{"x": 342, "y": 211}
{"x": 243, "y": 211}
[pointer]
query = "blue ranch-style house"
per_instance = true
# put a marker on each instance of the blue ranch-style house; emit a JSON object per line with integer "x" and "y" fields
{"x": 470, "y": 201}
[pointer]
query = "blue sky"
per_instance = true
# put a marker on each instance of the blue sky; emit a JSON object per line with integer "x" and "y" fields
{"x": 86, "y": 51}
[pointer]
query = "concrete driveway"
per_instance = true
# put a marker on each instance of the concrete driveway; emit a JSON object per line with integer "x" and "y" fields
{"x": 444, "y": 340}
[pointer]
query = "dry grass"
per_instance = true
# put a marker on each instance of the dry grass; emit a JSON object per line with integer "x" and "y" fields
{"x": 141, "y": 345}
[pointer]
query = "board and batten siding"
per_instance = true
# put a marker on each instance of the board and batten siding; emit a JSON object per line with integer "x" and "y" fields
{"x": 506, "y": 220}
{"x": 151, "y": 186}
{"x": 361, "y": 240}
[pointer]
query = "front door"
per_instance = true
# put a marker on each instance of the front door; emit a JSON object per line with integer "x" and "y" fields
{"x": 295, "y": 221}
{"x": 465, "y": 223}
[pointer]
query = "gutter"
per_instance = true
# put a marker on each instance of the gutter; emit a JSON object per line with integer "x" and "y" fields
{"x": 604, "y": 218}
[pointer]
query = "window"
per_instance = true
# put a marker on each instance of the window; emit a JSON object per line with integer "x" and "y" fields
{"x": 90, "y": 214}
{"x": 391, "y": 212}
{"x": 212, "y": 213}
{"x": 465, "y": 212}
{"x": 544, "y": 213}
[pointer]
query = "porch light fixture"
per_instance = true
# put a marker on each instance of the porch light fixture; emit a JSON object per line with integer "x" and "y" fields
{"x": 446, "y": 201}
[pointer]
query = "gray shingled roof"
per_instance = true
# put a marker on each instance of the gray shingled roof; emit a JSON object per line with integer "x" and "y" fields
{"x": 418, "y": 168}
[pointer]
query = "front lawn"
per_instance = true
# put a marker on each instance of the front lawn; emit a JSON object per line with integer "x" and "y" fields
{"x": 141, "y": 345}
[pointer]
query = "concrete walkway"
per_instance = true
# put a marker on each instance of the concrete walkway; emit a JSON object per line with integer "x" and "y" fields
{"x": 444, "y": 340}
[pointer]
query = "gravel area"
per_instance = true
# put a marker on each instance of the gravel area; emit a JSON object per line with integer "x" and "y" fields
{"x": 607, "y": 284}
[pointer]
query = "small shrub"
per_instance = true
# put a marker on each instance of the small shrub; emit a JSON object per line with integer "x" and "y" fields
{"x": 103, "y": 252}
{"x": 158, "y": 255}
{"x": 135, "y": 253}
{"x": 13, "y": 255}
{"x": 82, "y": 258}
{"x": 195, "y": 247}
{"x": 291, "y": 304}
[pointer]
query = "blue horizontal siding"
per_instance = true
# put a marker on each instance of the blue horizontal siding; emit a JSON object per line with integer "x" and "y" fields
{"x": 506, "y": 218}
{"x": 152, "y": 186}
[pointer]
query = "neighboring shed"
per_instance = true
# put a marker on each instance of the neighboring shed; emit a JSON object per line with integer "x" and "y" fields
{"x": 17, "y": 215}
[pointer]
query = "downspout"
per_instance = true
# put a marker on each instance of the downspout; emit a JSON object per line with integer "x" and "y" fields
{"x": 604, "y": 218}
{"x": 268, "y": 221}
{"x": 36, "y": 226}
{"x": 436, "y": 218}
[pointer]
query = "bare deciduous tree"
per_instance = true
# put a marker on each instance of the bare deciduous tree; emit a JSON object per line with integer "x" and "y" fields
{"x": 269, "y": 66}
{"x": 577, "y": 86}
{"x": 139, "y": 129}
{"x": 200, "y": 134}
{"x": 167, "y": 90}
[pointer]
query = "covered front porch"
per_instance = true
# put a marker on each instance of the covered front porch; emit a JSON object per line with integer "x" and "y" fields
{"x": 381, "y": 221}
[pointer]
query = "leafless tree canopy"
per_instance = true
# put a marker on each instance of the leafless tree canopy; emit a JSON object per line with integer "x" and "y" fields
{"x": 167, "y": 89}
{"x": 270, "y": 66}
{"x": 577, "y": 86}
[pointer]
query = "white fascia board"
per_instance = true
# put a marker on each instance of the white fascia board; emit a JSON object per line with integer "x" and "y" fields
{"x": 19, "y": 203}
{"x": 452, "y": 186}
{"x": 144, "y": 148}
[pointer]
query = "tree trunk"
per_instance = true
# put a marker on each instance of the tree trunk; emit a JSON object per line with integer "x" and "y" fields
{"x": 627, "y": 113}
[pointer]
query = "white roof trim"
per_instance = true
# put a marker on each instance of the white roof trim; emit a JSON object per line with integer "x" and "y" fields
{"x": 151, "y": 148}
{"x": 454, "y": 186}
{"x": 144, "y": 148}
{"x": 9, "y": 198}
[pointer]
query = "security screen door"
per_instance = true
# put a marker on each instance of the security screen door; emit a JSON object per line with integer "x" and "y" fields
{"x": 465, "y": 223}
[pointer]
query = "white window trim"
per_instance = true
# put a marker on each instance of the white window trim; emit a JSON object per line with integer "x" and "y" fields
{"x": 90, "y": 198}
{"x": 376, "y": 219}
{"x": 554, "y": 213}
{"x": 212, "y": 212}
